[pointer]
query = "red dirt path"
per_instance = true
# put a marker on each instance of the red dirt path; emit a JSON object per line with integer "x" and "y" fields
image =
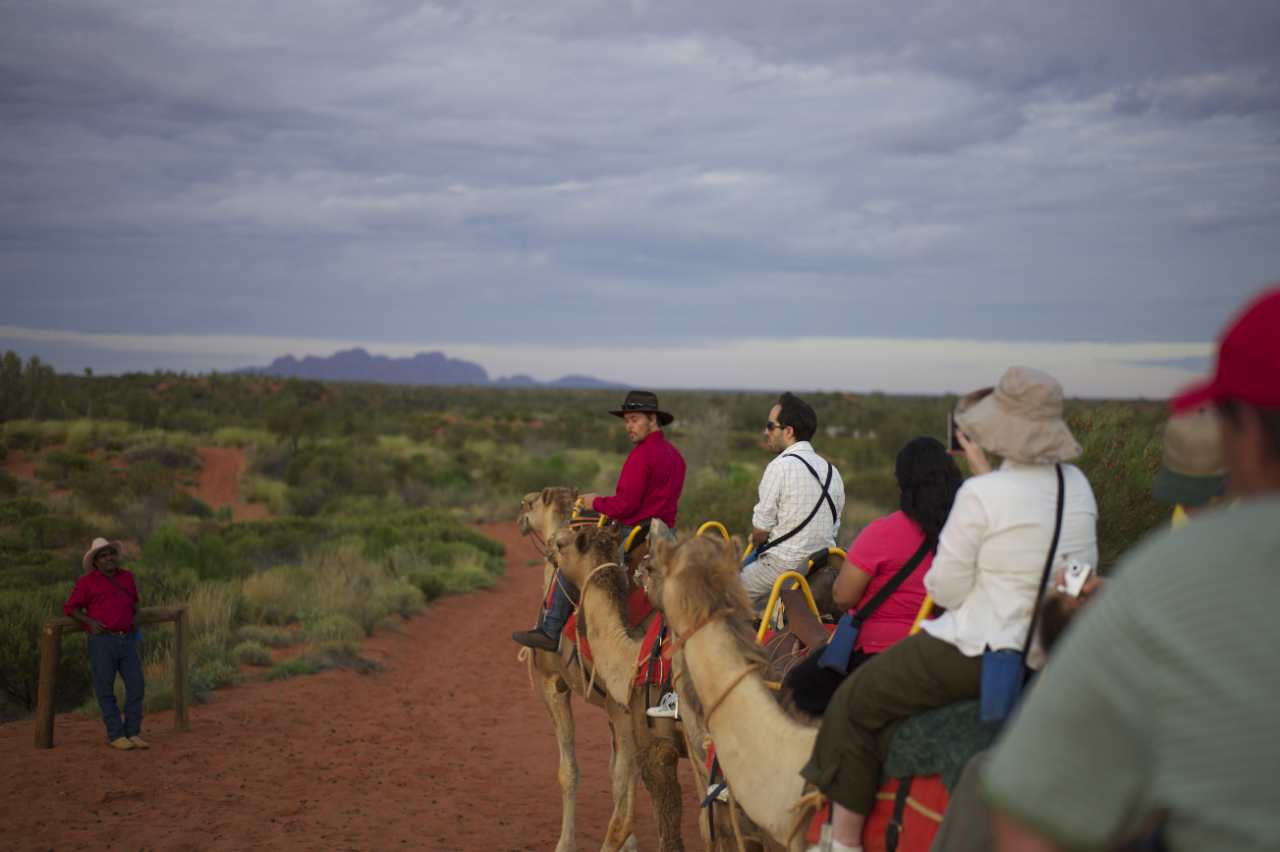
{"x": 447, "y": 749}
{"x": 219, "y": 483}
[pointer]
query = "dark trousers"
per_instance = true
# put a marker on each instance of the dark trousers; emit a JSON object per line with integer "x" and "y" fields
{"x": 917, "y": 674}
{"x": 109, "y": 654}
{"x": 554, "y": 616}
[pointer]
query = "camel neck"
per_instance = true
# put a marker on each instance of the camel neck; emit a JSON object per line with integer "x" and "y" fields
{"x": 765, "y": 779}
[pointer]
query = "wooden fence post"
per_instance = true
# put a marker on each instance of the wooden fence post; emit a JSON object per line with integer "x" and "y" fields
{"x": 47, "y": 691}
{"x": 180, "y": 721}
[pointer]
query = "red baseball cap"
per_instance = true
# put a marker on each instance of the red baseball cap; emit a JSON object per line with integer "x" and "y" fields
{"x": 1248, "y": 366}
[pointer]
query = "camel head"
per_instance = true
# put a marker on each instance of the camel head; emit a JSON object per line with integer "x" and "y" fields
{"x": 546, "y": 510}
{"x": 578, "y": 552}
{"x": 695, "y": 578}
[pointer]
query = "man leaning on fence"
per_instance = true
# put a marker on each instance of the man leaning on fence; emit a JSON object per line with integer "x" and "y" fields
{"x": 105, "y": 601}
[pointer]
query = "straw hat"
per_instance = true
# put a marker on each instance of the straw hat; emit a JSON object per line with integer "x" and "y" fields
{"x": 1192, "y": 470}
{"x": 1020, "y": 418}
{"x": 98, "y": 544}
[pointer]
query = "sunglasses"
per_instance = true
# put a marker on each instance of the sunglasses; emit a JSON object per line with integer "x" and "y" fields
{"x": 769, "y": 425}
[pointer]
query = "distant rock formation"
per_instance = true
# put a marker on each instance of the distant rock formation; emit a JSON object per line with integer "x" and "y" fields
{"x": 425, "y": 368}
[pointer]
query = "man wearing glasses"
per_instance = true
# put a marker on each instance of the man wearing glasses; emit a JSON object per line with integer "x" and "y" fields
{"x": 801, "y": 498}
{"x": 105, "y": 601}
{"x": 649, "y": 486}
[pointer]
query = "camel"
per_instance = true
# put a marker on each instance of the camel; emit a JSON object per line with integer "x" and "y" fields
{"x": 541, "y": 515}
{"x": 585, "y": 558}
{"x": 707, "y": 609}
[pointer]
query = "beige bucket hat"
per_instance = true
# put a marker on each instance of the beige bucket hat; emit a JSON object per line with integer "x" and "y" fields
{"x": 1019, "y": 419}
{"x": 1192, "y": 469}
{"x": 98, "y": 544}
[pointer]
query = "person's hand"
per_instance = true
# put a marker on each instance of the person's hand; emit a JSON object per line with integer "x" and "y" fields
{"x": 587, "y": 499}
{"x": 977, "y": 459}
{"x": 1091, "y": 586}
{"x": 95, "y": 627}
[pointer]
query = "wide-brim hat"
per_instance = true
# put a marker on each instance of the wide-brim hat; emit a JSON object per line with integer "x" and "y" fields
{"x": 1192, "y": 468}
{"x": 642, "y": 402}
{"x": 1019, "y": 419}
{"x": 98, "y": 544}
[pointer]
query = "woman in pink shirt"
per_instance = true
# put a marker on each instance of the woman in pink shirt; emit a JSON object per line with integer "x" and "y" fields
{"x": 928, "y": 480}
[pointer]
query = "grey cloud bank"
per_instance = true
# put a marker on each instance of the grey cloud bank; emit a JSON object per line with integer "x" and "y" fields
{"x": 691, "y": 175}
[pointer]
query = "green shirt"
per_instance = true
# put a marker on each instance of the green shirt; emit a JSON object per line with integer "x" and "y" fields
{"x": 1164, "y": 697}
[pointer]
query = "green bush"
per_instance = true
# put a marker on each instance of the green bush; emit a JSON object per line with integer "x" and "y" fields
{"x": 22, "y": 617}
{"x": 332, "y": 627}
{"x": 252, "y": 654}
{"x": 53, "y": 532}
{"x": 272, "y": 637}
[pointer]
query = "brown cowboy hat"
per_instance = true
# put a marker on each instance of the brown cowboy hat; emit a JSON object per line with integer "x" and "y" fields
{"x": 642, "y": 402}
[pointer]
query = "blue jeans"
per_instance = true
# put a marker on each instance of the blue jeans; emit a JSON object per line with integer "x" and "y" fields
{"x": 554, "y": 616}
{"x": 109, "y": 654}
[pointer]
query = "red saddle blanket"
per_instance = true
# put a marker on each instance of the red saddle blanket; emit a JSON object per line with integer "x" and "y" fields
{"x": 901, "y": 820}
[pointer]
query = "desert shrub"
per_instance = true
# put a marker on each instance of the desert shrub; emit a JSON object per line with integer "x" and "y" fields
{"x": 57, "y": 466}
{"x": 335, "y": 627}
{"x": 146, "y": 478}
{"x": 9, "y": 485}
{"x": 212, "y": 609}
{"x": 25, "y": 435}
{"x": 242, "y": 437}
{"x": 213, "y": 673}
{"x": 252, "y": 654}
{"x": 271, "y": 493}
{"x": 216, "y": 560}
{"x": 727, "y": 496}
{"x": 17, "y": 510}
{"x": 172, "y": 456}
{"x": 138, "y": 517}
{"x": 55, "y": 531}
{"x": 329, "y": 655}
{"x": 96, "y": 434}
{"x": 22, "y": 616}
{"x": 303, "y": 665}
{"x": 272, "y": 637}
{"x": 183, "y": 503}
{"x": 276, "y": 596}
{"x": 169, "y": 550}
{"x": 1122, "y": 446}
{"x": 401, "y": 597}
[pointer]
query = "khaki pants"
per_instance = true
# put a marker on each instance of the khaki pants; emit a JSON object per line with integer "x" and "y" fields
{"x": 919, "y": 673}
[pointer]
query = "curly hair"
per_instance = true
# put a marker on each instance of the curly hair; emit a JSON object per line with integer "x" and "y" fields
{"x": 928, "y": 480}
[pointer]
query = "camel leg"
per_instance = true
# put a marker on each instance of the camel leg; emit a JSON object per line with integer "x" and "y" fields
{"x": 622, "y": 777}
{"x": 658, "y": 757}
{"x": 556, "y": 700}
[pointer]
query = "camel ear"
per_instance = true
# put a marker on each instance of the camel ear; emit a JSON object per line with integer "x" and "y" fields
{"x": 661, "y": 548}
{"x": 734, "y": 546}
{"x": 658, "y": 529}
{"x": 581, "y": 542}
{"x": 546, "y": 496}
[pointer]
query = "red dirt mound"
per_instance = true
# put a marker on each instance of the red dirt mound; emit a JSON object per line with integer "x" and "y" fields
{"x": 219, "y": 483}
{"x": 447, "y": 749}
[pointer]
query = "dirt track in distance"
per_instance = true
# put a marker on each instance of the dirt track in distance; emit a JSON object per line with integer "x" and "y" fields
{"x": 447, "y": 749}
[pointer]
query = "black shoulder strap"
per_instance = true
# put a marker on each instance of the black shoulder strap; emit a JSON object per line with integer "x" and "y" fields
{"x": 1048, "y": 566}
{"x": 825, "y": 498}
{"x": 133, "y": 599}
{"x": 893, "y": 831}
{"x": 826, "y": 494}
{"x": 890, "y": 587}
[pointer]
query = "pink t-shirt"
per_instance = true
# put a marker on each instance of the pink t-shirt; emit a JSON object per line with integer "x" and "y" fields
{"x": 880, "y": 550}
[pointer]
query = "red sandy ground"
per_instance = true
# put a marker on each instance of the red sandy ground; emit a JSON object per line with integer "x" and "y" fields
{"x": 447, "y": 749}
{"x": 219, "y": 483}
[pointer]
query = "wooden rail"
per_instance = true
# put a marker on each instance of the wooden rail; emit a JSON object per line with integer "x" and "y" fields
{"x": 51, "y": 653}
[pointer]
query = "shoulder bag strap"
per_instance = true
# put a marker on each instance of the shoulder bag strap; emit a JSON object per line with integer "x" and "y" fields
{"x": 890, "y": 587}
{"x": 774, "y": 542}
{"x": 1048, "y": 566}
{"x": 133, "y": 599}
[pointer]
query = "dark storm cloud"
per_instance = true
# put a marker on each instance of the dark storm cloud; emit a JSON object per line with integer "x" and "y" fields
{"x": 517, "y": 172}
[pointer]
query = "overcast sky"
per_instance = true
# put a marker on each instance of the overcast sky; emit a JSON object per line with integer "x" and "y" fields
{"x": 901, "y": 196}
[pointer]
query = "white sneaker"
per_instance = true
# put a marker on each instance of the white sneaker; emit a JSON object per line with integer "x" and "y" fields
{"x": 667, "y": 708}
{"x": 720, "y": 790}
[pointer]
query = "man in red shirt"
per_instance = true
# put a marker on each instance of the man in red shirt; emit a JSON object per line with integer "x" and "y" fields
{"x": 105, "y": 601}
{"x": 648, "y": 487}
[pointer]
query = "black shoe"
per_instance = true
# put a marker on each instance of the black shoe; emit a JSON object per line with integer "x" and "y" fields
{"x": 536, "y": 639}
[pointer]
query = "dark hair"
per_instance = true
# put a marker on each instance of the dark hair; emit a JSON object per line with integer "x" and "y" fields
{"x": 1270, "y": 418}
{"x": 798, "y": 414}
{"x": 928, "y": 480}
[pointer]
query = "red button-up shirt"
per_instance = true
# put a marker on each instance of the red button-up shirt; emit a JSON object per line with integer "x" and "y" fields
{"x": 107, "y": 601}
{"x": 649, "y": 485}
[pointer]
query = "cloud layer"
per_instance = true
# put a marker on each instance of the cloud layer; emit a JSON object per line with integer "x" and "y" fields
{"x": 545, "y": 174}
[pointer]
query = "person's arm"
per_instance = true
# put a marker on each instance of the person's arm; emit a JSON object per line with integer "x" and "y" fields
{"x": 629, "y": 492}
{"x": 764, "y": 517}
{"x": 75, "y": 607}
{"x": 978, "y": 463}
{"x": 1012, "y": 836}
{"x": 851, "y": 582}
{"x": 955, "y": 566}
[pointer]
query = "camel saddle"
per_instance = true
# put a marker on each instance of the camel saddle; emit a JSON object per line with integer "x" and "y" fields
{"x": 803, "y": 632}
